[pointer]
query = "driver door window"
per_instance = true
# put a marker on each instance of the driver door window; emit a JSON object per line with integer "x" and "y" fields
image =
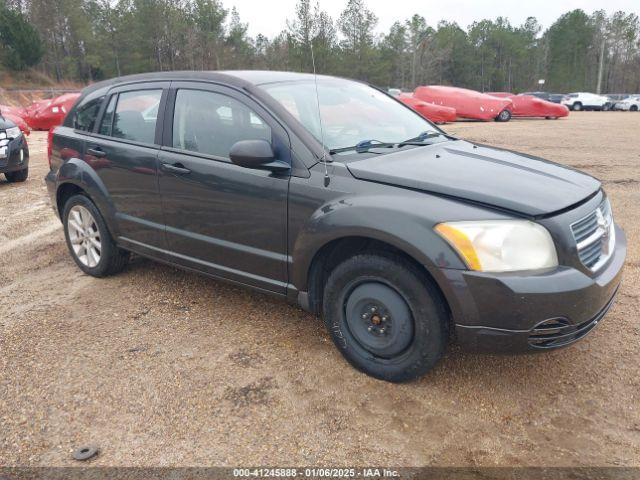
{"x": 210, "y": 123}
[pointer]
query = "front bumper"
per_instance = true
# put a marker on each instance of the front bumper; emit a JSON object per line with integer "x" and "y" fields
{"x": 513, "y": 312}
{"x": 12, "y": 160}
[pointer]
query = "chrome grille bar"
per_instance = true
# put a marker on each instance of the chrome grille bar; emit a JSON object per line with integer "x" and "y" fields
{"x": 595, "y": 236}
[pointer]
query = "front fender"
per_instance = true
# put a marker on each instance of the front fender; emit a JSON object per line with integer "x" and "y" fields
{"x": 386, "y": 218}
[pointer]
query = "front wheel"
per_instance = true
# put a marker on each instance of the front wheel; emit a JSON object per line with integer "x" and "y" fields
{"x": 633, "y": 108}
{"x": 385, "y": 316}
{"x": 89, "y": 240}
{"x": 504, "y": 116}
{"x": 19, "y": 176}
{"x": 576, "y": 107}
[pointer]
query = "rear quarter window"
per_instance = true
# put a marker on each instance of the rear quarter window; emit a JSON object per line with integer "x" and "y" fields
{"x": 86, "y": 114}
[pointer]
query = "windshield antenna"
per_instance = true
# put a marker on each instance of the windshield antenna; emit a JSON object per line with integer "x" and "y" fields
{"x": 327, "y": 180}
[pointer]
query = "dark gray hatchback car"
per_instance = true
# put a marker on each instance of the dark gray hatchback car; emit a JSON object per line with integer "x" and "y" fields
{"x": 338, "y": 198}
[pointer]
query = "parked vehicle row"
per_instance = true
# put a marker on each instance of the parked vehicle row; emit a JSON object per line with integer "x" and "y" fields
{"x": 502, "y": 106}
{"x": 430, "y": 101}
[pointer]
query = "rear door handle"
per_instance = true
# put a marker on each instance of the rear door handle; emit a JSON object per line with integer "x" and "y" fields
{"x": 175, "y": 168}
{"x": 96, "y": 152}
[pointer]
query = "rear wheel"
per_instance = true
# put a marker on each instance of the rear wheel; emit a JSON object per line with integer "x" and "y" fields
{"x": 551, "y": 118}
{"x": 633, "y": 108}
{"x": 385, "y": 316}
{"x": 89, "y": 240}
{"x": 576, "y": 107}
{"x": 19, "y": 176}
{"x": 504, "y": 116}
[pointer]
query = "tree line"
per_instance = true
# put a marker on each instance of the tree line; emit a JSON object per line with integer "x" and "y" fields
{"x": 89, "y": 40}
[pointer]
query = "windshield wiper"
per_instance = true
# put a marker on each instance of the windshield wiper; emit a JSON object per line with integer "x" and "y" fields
{"x": 363, "y": 146}
{"x": 421, "y": 139}
{"x": 366, "y": 145}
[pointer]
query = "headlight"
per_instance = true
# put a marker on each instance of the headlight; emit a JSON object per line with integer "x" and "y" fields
{"x": 13, "y": 132}
{"x": 501, "y": 245}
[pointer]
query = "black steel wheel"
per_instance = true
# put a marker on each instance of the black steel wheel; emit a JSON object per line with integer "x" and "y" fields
{"x": 386, "y": 316}
{"x": 379, "y": 319}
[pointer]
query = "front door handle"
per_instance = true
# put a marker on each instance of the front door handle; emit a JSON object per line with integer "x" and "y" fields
{"x": 97, "y": 152}
{"x": 175, "y": 168}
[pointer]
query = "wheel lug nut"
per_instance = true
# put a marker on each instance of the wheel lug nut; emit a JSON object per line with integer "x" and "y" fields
{"x": 370, "y": 328}
{"x": 364, "y": 315}
{"x": 373, "y": 309}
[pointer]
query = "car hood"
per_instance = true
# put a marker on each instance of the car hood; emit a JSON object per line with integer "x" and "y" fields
{"x": 492, "y": 176}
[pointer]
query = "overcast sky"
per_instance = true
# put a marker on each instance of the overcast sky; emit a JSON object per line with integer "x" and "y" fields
{"x": 269, "y": 17}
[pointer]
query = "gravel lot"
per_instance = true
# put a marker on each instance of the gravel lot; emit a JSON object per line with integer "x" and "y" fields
{"x": 161, "y": 367}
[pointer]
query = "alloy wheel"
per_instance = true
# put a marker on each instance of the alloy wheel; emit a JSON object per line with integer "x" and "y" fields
{"x": 84, "y": 236}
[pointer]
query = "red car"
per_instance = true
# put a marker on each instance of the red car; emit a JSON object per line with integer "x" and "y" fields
{"x": 434, "y": 113}
{"x": 530, "y": 106}
{"x": 44, "y": 114}
{"x": 468, "y": 103}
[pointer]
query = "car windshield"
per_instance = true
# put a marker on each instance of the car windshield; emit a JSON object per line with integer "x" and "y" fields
{"x": 351, "y": 112}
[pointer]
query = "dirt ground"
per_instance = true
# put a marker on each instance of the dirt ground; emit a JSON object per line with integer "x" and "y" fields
{"x": 161, "y": 367}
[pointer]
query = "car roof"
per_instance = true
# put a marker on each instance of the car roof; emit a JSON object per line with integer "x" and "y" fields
{"x": 239, "y": 78}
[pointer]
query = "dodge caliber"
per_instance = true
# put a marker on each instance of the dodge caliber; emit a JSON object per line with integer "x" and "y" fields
{"x": 338, "y": 198}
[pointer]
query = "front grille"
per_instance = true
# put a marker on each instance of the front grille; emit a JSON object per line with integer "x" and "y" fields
{"x": 595, "y": 236}
{"x": 558, "y": 332}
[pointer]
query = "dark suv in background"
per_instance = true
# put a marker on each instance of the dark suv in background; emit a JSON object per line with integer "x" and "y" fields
{"x": 335, "y": 196}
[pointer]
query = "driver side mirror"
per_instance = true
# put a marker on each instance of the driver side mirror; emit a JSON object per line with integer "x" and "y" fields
{"x": 256, "y": 154}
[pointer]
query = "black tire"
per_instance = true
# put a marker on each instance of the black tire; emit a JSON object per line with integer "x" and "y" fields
{"x": 504, "y": 116}
{"x": 633, "y": 108}
{"x": 606, "y": 107}
{"x": 112, "y": 258}
{"x": 411, "y": 309}
{"x": 551, "y": 118}
{"x": 19, "y": 176}
{"x": 576, "y": 107}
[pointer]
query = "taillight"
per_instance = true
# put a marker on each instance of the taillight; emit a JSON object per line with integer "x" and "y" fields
{"x": 50, "y": 144}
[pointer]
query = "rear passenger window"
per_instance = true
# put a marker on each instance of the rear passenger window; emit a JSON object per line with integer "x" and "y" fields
{"x": 210, "y": 123}
{"x": 86, "y": 115}
{"x": 136, "y": 114}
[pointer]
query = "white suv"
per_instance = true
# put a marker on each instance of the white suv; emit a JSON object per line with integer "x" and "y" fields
{"x": 631, "y": 104}
{"x": 586, "y": 101}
